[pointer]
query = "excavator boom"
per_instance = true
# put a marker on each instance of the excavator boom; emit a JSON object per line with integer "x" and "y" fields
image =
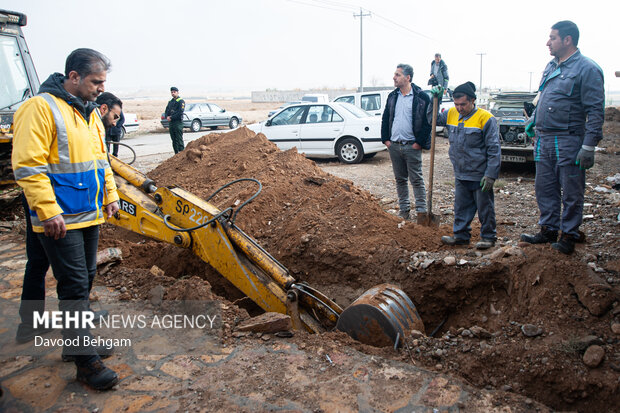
{"x": 178, "y": 217}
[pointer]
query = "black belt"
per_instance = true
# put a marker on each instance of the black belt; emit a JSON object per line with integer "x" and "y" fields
{"x": 404, "y": 143}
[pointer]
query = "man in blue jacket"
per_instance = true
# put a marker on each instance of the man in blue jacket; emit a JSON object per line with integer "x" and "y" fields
{"x": 405, "y": 131}
{"x": 568, "y": 123}
{"x": 475, "y": 155}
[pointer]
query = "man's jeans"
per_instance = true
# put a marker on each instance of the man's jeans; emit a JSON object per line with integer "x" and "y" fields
{"x": 33, "y": 287}
{"x": 469, "y": 198}
{"x": 74, "y": 263}
{"x": 407, "y": 165}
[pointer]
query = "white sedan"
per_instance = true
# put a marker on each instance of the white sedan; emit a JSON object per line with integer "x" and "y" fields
{"x": 325, "y": 130}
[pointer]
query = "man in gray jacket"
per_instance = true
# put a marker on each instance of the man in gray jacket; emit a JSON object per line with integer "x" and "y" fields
{"x": 475, "y": 155}
{"x": 439, "y": 72}
{"x": 569, "y": 123}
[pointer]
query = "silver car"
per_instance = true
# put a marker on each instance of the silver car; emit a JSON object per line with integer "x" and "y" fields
{"x": 205, "y": 115}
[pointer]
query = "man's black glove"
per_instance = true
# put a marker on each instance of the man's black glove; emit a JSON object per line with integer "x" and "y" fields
{"x": 486, "y": 184}
{"x": 585, "y": 157}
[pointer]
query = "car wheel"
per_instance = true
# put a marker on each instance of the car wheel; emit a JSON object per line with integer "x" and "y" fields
{"x": 122, "y": 134}
{"x": 350, "y": 151}
{"x": 234, "y": 123}
{"x": 196, "y": 125}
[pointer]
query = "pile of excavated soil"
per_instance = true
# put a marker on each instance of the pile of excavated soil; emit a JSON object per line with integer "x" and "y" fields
{"x": 336, "y": 237}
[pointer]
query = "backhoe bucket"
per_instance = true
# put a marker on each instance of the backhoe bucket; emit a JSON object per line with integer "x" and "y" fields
{"x": 382, "y": 316}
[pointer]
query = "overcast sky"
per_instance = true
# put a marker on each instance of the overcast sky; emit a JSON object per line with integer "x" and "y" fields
{"x": 244, "y": 45}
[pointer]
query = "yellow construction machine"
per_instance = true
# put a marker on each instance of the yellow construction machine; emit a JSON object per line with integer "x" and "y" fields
{"x": 382, "y": 316}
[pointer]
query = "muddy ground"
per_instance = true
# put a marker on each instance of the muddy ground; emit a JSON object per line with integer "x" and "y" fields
{"x": 517, "y": 318}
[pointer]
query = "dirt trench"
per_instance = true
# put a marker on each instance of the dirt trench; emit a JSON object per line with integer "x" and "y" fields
{"x": 337, "y": 237}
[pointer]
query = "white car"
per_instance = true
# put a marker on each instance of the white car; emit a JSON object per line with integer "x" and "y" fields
{"x": 131, "y": 123}
{"x": 372, "y": 102}
{"x": 325, "y": 130}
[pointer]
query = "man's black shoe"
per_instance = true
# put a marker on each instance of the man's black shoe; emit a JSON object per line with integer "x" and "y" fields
{"x": 26, "y": 333}
{"x": 454, "y": 241}
{"x": 103, "y": 352}
{"x": 544, "y": 236}
{"x": 485, "y": 243}
{"x": 566, "y": 244}
{"x": 97, "y": 375}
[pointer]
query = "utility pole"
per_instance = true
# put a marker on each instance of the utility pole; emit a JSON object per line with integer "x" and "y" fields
{"x": 361, "y": 16}
{"x": 530, "y": 89}
{"x": 480, "y": 84}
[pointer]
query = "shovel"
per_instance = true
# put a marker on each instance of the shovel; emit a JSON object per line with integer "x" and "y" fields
{"x": 429, "y": 219}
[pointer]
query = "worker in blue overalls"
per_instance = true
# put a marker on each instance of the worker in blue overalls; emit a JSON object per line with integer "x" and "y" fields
{"x": 568, "y": 123}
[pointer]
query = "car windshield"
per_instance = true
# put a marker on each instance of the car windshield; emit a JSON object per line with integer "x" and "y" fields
{"x": 215, "y": 108}
{"x": 346, "y": 99}
{"x": 13, "y": 79}
{"x": 355, "y": 111}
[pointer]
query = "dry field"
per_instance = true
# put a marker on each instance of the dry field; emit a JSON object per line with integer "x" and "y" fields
{"x": 149, "y": 110}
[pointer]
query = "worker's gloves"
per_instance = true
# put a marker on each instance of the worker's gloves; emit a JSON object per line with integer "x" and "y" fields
{"x": 585, "y": 157}
{"x": 486, "y": 184}
{"x": 529, "y": 130}
{"x": 437, "y": 91}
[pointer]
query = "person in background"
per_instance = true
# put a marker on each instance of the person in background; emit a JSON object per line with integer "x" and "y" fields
{"x": 439, "y": 74}
{"x": 174, "y": 114}
{"x": 113, "y": 119}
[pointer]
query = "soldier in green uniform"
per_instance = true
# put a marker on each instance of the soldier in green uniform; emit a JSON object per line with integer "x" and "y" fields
{"x": 174, "y": 114}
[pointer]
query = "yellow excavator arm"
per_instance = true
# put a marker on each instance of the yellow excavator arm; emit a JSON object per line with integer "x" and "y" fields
{"x": 178, "y": 217}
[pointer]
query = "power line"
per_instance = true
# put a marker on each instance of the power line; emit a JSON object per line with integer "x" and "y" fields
{"x": 361, "y": 16}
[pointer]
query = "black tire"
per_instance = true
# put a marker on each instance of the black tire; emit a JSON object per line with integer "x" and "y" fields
{"x": 350, "y": 151}
{"x": 122, "y": 135}
{"x": 234, "y": 123}
{"x": 196, "y": 125}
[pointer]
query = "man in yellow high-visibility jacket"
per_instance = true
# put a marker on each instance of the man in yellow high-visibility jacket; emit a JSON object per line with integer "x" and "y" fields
{"x": 59, "y": 159}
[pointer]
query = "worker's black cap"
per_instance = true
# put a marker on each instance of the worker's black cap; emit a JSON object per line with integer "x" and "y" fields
{"x": 174, "y": 89}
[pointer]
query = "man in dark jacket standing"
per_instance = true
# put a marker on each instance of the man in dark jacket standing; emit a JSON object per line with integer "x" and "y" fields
{"x": 113, "y": 119}
{"x": 174, "y": 114}
{"x": 439, "y": 72}
{"x": 569, "y": 123}
{"x": 405, "y": 131}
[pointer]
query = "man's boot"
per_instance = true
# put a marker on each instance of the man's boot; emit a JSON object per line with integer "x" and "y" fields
{"x": 545, "y": 235}
{"x": 97, "y": 375}
{"x": 566, "y": 244}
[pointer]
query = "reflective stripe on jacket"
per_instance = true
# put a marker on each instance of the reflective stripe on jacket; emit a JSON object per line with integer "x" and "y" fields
{"x": 60, "y": 161}
{"x": 474, "y": 143}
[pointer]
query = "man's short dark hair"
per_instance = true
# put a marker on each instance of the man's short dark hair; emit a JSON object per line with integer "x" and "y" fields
{"x": 86, "y": 61}
{"x": 407, "y": 69}
{"x": 107, "y": 98}
{"x": 437, "y": 54}
{"x": 567, "y": 28}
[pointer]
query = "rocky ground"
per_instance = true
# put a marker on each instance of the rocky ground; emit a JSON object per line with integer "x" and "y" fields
{"x": 518, "y": 318}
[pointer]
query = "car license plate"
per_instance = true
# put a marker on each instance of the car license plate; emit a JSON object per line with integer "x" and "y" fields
{"x": 513, "y": 158}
